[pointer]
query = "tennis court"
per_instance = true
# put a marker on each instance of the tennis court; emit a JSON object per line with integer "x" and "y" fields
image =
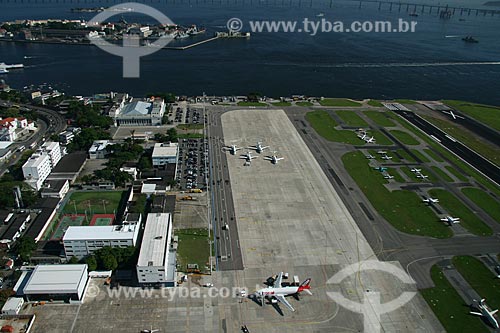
{"x": 102, "y": 219}
{"x": 67, "y": 221}
{"x": 93, "y": 202}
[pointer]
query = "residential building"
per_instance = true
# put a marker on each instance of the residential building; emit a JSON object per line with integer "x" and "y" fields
{"x": 165, "y": 153}
{"x": 36, "y": 169}
{"x": 10, "y": 128}
{"x": 98, "y": 149}
{"x": 156, "y": 264}
{"x": 68, "y": 135}
{"x": 53, "y": 149}
{"x": 138, "y": 113}
{"x": 81, "y": 241}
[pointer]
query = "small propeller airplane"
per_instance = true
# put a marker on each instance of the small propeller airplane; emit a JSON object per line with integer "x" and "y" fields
{"x": 451, "y": 220}
{"x": 453, "y": 115}
{"x": 259, "y": 148}
{"x": 232, "y": 149}
{"x": 430, "y": 200}
{"x": 273, "y": 158}
{"x": 415, "y": 170}
{"x": 248, "y": 157}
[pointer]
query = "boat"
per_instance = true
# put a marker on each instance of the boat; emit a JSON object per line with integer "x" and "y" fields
{"x": 13, "y": 66}
{"x": 181, "y": 35}
{"x": 470, "y": 39}
{"x": 193, "y": 30}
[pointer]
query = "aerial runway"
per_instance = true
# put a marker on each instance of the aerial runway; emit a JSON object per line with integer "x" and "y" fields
{"x": 291, "y": 219}
{"x": 477, "y": 161}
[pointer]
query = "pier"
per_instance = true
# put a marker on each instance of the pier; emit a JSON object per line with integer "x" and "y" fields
{"x": 181, "y": 48}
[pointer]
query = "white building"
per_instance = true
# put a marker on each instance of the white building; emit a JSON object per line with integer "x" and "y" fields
{"x": 139, "y": 113}
{"x": 56, "y": 282}
{"x": 55, "y": 188}
{"x": 98, "y": 149}
{"x": 165, "y": 153}
{"x": 11, "y": 127}
{"x": 81, "y": 241}
{"x": 53, "y": 149}
{"x": 12, "y": 306}
{"x": 156, "y": 264}
{"x": 36, "y": 169}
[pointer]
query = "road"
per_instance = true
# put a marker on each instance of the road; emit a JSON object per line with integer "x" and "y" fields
{"x": 50, "y": 122}
{"x": 227, "y": 246}
{"x": 487, "y": 168}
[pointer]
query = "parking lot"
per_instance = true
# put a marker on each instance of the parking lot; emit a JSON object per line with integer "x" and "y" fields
{"x": 192, "y": 164}
{"x": 182, "y": 113}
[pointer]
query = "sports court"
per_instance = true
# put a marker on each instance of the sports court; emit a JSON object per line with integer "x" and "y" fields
{"x": 102, "y": 219}
{"x": 93, "y": 202}
{"x": 67, "y": 221}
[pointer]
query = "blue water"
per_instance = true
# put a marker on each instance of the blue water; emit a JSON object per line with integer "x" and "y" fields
{"x": 427, "y": 64}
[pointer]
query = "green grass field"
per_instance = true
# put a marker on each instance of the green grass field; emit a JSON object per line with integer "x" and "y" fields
{"x": 379, "y": 118}
{"x": 405, "y": 138}
{"x": 480, "y": 278}
{"x": 191, "y": 136}
{"x": 455, "y": 172}
{"x": 190, "y": 126}
{"x": 420, "y": 156}
{"x": 374, "y": 102}
{"x": 443, "y": 175}
{"x": 405, "y": 155}
{"x": 304, "y": 104}
{"x": 405, "y": 101}
{"x": 449, "y": 307}
{"x": 433, "y": 155}
{"x": 350, "y": 118}
{"x": 486, "y": 114}
{"x": 488, "y": 150}
{"x": 484, "y": 200}
{"x": 338, "y": 102}
{"x": 325, "y": 126}
{"x": 456, "y": 208}
{"x": 380, "y": 138}
{"x": 282, "y": 104}
{"x": 193, "y": 248}
{"x": 97, "y": 202}
{"x": 251, "y": 104}
{"x": 397, "y": 176}
{"x": 403, "y": 209}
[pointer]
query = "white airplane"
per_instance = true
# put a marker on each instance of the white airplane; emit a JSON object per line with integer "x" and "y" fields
{"x": 385, "y": 157}
{"x": 430, "y": 200}
{"x": 455, "y": 116}
{"x": 279, "y": 293}
{"x": 486, "y": 313}
{"x": 388, "y": 176}
{"x": 258, "y": 147}
{"x": 248, "y": 156}
{"x": 421, "y": 176}
{"x": 451, "y": 220}
{"x": 232, "y": 149}
{"x": 370, "y": 140}
{"x": 382, "y": 152}
{"x": 415, "y": 170}
{"x": 273, "y": 158}
{"x": 369, "y": 156}
{"x": 362, "y": 136}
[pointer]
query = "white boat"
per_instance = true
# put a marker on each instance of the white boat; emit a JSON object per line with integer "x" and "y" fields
{"x": 13, "y": 66}
{"x": 181, "y": 35}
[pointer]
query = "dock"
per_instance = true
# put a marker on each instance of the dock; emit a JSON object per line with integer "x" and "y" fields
{"x": 190, "y": 45}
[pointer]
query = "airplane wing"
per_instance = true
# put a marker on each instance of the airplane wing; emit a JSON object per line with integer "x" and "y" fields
{"x": 445, "y": 220}
{"x": 283, "y": 300}
{"x": 277, "y": 282}
{"x": 268, "y": 158}
{"x": 493, "y": 312}
{"x": 476, "y": 313}
{"x": 280, "y": 158}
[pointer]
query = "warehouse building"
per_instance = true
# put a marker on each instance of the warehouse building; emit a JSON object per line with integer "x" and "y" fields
{"x": 165, "y": 153}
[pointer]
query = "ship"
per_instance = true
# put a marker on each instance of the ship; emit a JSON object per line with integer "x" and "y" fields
{"x": 470, "y": 39}
{"x": 193, "y": 30}
{"x": 181, "y": 35}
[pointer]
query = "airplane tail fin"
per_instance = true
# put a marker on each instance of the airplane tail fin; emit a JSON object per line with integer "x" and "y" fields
{"x": 305, "y": 286}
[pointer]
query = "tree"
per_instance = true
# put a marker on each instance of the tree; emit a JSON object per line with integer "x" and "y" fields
{"x": 109, "y": 262}
{"x": 25, "y": 247}
{"x": 91, "y": 262}
{"x": 172, "y": 134}
{"x": 73, "y": 260}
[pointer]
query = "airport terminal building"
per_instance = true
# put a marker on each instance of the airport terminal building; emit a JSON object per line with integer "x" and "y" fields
{"x": 156, "y": 264}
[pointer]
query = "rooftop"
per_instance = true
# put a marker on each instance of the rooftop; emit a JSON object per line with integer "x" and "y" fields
{"x": 155, "y": 242}
{"x": 99, "y": 145}
{"x": 35, "y": 160}
{"x": 165, "y": 149}
{"x": 137, "y": 108}
{"x": 108, "y": 232}
{"x": 55, "y": 278}
{"x": 71, "y": 162}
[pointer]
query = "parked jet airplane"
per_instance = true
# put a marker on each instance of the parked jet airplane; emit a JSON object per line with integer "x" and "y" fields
{"x": 273, "y": 158}
{"x": 370, "y": 140}
{"x": 232, "y": 149}
{"x": 454, "y": 116}
{"x": 279, "y": 293}
{"x": 248, "y": 156}
{"x": 421, "y": 176}
{"x": 430, "y": 200}
{"x": 486, "y": 313}
{"x": 415, "y": 170}
{"x": 369, "y": 156}
{"x": 386, "y": 157}
{"x": 451, "y": 220}
{"x": 382, "y": 152}
{"x": 381, "y": 169}
{"x": 258, "y": 147}
{"x": 388, "y": 176}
